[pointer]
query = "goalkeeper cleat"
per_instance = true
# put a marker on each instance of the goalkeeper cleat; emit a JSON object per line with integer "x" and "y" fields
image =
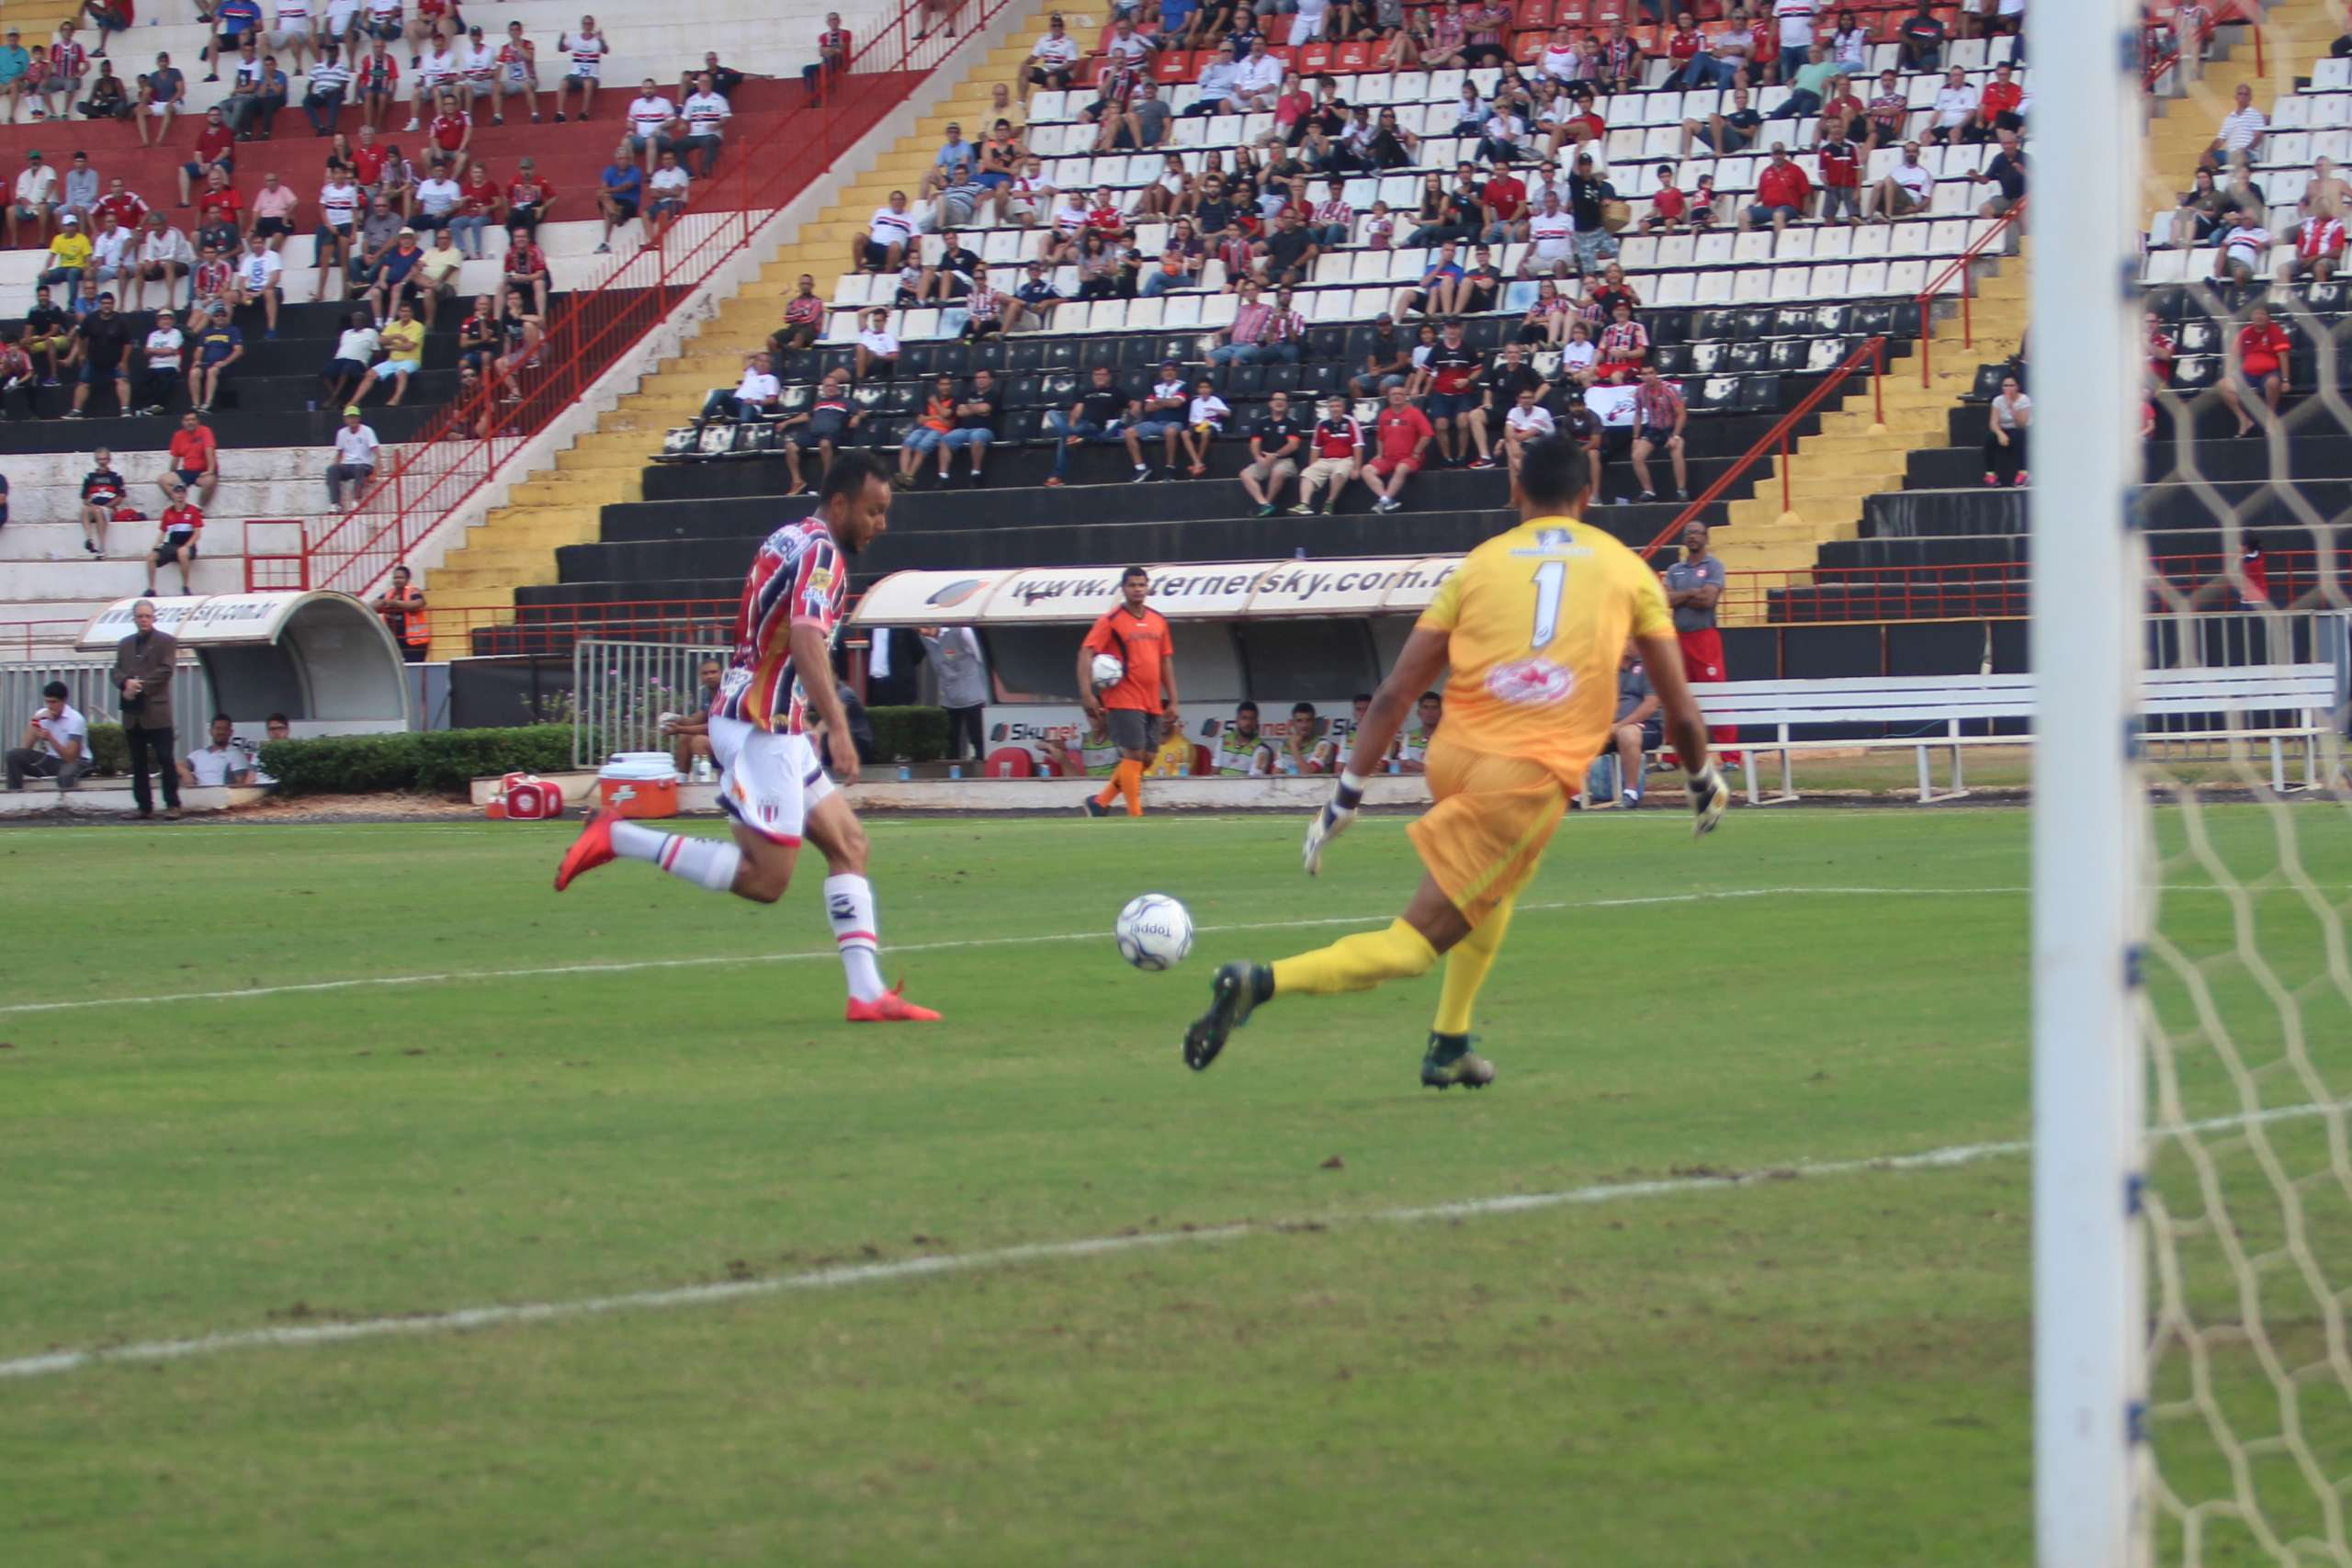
{"x": 889, "y": 1008}
{"x": 1709, "y": 796}
{"x": 1450, "y": 1061}
{"x": 1235, "y": 993}
{"x": 592, "y": 848}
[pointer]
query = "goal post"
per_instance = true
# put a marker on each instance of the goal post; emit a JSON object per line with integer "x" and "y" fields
{"x": 2089, "y": 823}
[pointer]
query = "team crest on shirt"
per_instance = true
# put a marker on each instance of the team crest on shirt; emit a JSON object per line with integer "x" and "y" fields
{"x": 1531, "y": 682}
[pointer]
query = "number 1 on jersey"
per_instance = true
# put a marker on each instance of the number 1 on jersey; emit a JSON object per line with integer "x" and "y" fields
{"x": 1549, "y": 579}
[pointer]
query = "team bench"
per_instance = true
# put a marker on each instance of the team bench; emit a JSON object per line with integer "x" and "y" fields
{"x": 2293, "y": 702}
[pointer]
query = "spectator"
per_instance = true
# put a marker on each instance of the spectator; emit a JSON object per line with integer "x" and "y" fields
{"x": 355, "y": 449}
{"x": 257, "y": 281}
{"x": 1404, "y": 436}
{"x": 877, "y": 346}
{"x": 833, "y": 54}
{"x": 165, "y": 350}
{"x": 1728, "y": 54}
{"x": 723, "y": 79}
{"x": 175, "y": 535}
{"x": 1955, "y": 111}
{"x": 1588, "y": 199}
{"x": 622, "y": 188}
{"x": 478, "y": 208}
{"x": 1638, "y": 730}
{"x": 80, "y": 196}
{"x": 2006, "y": 420}
{"x": 2319, "y": 250}
{"x": 18, "y": 376}
{"x": 976, "y": 420}
{"x": 689, "y": 733}
{"x": 2244, "y": 245}
{"x": 1906, "y": 189}
{"x": 527, "y": 272}
{"x": 70, "y": 256}
{"x": 1886, "y": 114}
{"x": 215, "y": 344}
{"x": 1998, "y": 107}
{"x": 354, "y": 351}
{"x": 1660, "y": 416}
{"x": 648, "y": 113}
{"x": 274, "y": 208}
{"x": 226, "y": 761}
{"x": 402, "y": 606}
{"x": 55, "y": 745}
{"x": 402, "y": 341}
{"x": 587, "y": 48}
{"x": 2006, "y": 173}
{"x": 516, "y": 75}
{"x": 1337, "y": 446}
{"x": 108, "y": 100}
{"x": 1841, "y": 179}
{"x": 1782, "y": 193}
{"x": 937, "y": 418}
{"x": 143, "y": 665}
{"x": 330, "y": 84}
{"x": 1921, "y": 36}
{"x": 35, "y": 199}
{"x": 1274, "y": 443}
{"x": 1097, "y": 415}
{"x": 1498, "y": 390}
{"x": 963, "y": 677}
{"x": 16, "y": 68}
{"x": 162, "y": 255}
{"x": 756, "y": 396}
{"x": 1160, "y": 418}
{"x": 1204, "y": 420}
{"x": 529, "y": 200}
{"x": 1812, "y": 85}
{"x": 1623, "y": 348}
{"x": 102, "y": 491}
{"x": 1693, "y": 586}
{"x": 1454, "y": 369}
{"x": 1386, "y": 362}
{"x": 804, "y": 318}
{"x": 1527, "y": 420}
{"x": 889, "y": 233}
{"x": 1054, "y": 60}
{"x": 828, "y": 421}
{"x": 1727, "y": 132}
{"x": 160, "y": 92}
{"x": 2243, "y": 129}
{"x": 376, "y": 77}
{"x": 102, "y": 354}
{"x": 706, "y": 112}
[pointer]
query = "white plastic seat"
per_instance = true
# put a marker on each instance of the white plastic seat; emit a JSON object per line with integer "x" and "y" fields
{"x": 1179, "y": 310}
{"x": 1675, "y": 288}
{"x": 841, "y": 327}
{"x": 1143, "y": 315}
{"x": 1330, "y": 305}
{"x": 2293, "y": 111}
{"x": 1366, "y": 303}
{"x": 914, "y": 326}
{"x": 1791, "y": 284}
{"x": 1827, "y": 283}
{"x": 1637, "y": 252}
{"x": 1714, "y": 289}
{"x": 1677, "y": 250}
{"x": 1218, "y": 310}
{"x": 1755, "y": 245}
{"x": 1866, "y": 280}
{"x": 1752, "y": 287}
{"x": 1625, "y": 146}
{"x": 1834, "y": 243}
{"x": 1872, "y": 239}
{"x": 1795, "y": 245}
{"x": 1714, "y": 250}
{"x": 1968, "y": 54}
{"x": 1334, "y": 266}
{"x": 1906, "y": 277}
{"x": 2332, "y": 74}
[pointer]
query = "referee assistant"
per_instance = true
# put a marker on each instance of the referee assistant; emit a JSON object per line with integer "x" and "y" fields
{"x": 1131, "y": 707}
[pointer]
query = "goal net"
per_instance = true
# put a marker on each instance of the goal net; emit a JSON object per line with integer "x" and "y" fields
{"x": 2192, "y": 846}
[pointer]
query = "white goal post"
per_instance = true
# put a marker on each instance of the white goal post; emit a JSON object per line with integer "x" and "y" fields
{"x": 2090, "y": 1302}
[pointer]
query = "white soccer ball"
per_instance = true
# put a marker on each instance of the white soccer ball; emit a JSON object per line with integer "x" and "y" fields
{"x": 1155, "y": 931}
{"x": 1107, "y": 670}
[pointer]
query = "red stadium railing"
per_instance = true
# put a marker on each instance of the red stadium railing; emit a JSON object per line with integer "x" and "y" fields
{"x": 1962, "y": 266}
{"x": 1778, "y": 439}
{"x": 459, "y": 452}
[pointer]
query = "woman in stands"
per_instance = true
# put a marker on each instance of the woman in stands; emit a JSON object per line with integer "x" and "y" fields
{"x": 1849, "y": 46}
{"x": 2006, "y": 419}
{"x": 1433, "y": 227}
{"x": 1512, "y": 90}
{"x": 2203, "y": 212}
{"x": 1614, "y": 290}
{"x": 1449, "y": 43}
{"x": 1403, "y": 47}
{"x": 1104, "y": 271}
{"x": 1169, "y": 193}
{"x": 1546, "y": 321}
{"x": 1181, "y": 260}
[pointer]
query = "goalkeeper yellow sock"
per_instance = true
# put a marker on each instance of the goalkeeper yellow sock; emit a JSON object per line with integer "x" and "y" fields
{"x": 1466, "y": 969}
{"x": 1357, "y": 962}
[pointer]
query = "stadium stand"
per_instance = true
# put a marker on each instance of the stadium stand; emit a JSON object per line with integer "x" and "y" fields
{"x": 1749, "y": 321}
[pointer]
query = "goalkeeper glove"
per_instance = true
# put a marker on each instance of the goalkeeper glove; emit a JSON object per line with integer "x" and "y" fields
{"x": 1708, "y": 799}
{"x": 1333, "y": 819}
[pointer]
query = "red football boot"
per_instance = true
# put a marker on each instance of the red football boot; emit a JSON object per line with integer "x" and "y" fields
{"x": 889, "y": 1008}
{"x": 592, "y": 848}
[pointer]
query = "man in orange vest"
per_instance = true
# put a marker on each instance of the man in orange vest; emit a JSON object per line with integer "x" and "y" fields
{"x": 403, "y": 607}
{"x": 1131, "y": 706}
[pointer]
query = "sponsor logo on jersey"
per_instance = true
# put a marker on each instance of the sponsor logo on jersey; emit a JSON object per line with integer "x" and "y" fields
{"x": 1531, "y": 682}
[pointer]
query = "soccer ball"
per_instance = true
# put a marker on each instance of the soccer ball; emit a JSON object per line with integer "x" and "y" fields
{"x": 1155, "y": 931}
{"x": 1107, "y": 670}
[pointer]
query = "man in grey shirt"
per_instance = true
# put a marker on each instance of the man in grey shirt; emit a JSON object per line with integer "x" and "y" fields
{"x": 954, "y": 655}
{"x": 1693, "y": 584}
{"x": 1639, "y": 729}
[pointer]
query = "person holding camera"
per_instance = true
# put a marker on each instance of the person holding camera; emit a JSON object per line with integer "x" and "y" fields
{"x": 144, "y": 663}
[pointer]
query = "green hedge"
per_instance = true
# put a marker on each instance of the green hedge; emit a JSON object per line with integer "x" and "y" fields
{"x": 439, "y": 761}
{"x": 109, "y": 750}
{"x": 909, "y": 734}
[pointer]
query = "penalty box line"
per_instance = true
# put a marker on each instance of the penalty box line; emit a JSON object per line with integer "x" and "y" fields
{"x": 625, "y": 966}
{"x": 480, "y": 1317}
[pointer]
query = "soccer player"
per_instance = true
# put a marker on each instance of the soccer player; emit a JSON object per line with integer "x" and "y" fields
{"x": 1133, "y": 705}
{"x": 771, "y": 781}
{"x": 1532, "y": 626}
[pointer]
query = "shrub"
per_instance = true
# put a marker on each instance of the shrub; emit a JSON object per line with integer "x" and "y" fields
{"x": 109, "y": 752}
{"x": 909, "y": 734}
{"x": 441, "y": 761}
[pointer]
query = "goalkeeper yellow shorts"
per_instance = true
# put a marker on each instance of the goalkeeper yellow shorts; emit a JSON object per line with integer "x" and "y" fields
{"x": 1485, "y": 835}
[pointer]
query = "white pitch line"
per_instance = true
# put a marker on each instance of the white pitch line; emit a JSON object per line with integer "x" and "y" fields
{"x": 451, "y": 976}
{"x": 466, "y": 1318}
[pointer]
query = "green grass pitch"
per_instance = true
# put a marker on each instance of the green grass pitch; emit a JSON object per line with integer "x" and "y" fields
{"x": 1818, "y": 1368}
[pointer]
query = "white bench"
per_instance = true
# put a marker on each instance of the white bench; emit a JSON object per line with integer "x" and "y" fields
{"x": 1935, "y": 706}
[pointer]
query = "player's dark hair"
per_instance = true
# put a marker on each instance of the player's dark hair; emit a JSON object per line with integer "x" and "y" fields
{"x": 1551, "y": 472}
{"x": 1431, "y": 697}
{"x": 279, "y": 718}
{"x": 55, "y": 689}
{"x": 223, "y": 718}
{"x": 1363, "y": 696}
{"x": 850, "y": 473}
{"x": 1238, "y": 708}
{"x": 1297, "y": 708}
{"x": 1133, "y": 571}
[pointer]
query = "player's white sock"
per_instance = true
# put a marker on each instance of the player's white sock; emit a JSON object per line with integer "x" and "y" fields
{"x": 707, "y": 863}
{"x": 849, "y": 904}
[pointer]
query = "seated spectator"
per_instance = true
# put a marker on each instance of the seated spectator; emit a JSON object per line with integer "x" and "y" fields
{"x": 1625, "y": 347}
{"x": 976, "y": 414}
{"x": 984, "y": 310}
{"x": 1205, "y": 419}
{"x": 833, "y": 51}
{"x": 1054, "y": 60}
{"x": 529, "y": 200}
{"x": 828, "y": 421}
{"x": 163, "y": 256}
{"x": 756, "y": 396}
{"x": 79, "y": 195}
{"x": 889, "y": 233}
{"x": 1921, "y": 38}
{"x": 175, "y": 536}
{"x": 804, "y": 318}
{"x": 689, "y": 733}
{"x": 670, "y": 189}
{"x": 214, "y": 345}
{"x": 1955, "y": 111}
{"x": 1337, "y": 445}
{"x": 102, "y": 491}
{"x": 1159, "y": 417}
{"x": 1660, "y": 416}
{"x": 354, "y": 351}
{"x": 1404, "y": 434}
{"x": 1637, "y": 729}
{"x": 1034, "y": 302}
{"x": 1096, "y": 416}
{"x": 226, "y": 761}
{"x": 2241, "y": 132}
{"x": 355, "y": 449}
{"x": 2244, "y": 246}
{"x": 1440, "y": 288}
{"x": 1528, "y": 420}
{"x": 2007, "y": 418}
{"x": 1907, "y": 189}
{"x": 877, "y": 346}
{"x": 1274, "y": 444}
{"x": 55, "y": 744}
{"x": 1727, "y": 132}
{"x": 69, "y": 255}
{"x": 2006, "y": 175}
{"x": 930, "y": 429}
{"x": 164, "y": 352}
{"x": 162, "y": 94}
{"x": 1814, "y": 82}
{"x": 1782, "y": 192}
{"x": 257, "y": 281}
{"x": 402, "y": 341}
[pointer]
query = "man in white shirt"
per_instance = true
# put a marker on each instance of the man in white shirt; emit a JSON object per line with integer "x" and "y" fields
{"x": 1795, "y": 20}
{"x": 1906, "y": 188}
{"x": 1127, "y": 46}
{"x": 1955, "y": 108}
{"x": 112, "y": 248}
{"x": 1261, "y": 80}
{"x": 163, "y": 256}
{"x": 35, "y": 201}
{"x": 437, "y": 197}
{"x": 1527, "y": 420}
{"x": 355, "y": 459}
{"x": 883, "y": 246}
{"x": 587, "y": 48}
{"x": 2243, "y": 129}
{"x": 255, "y": 281}
{"x": 292, "y": 38}
{"x": 227, "y": 761}
{"x": 877, "y": 345}
{"x": 1551, "y": 233}
{"x": 55, "y": 745}
{"x": 706, "y": 112}
{"x": 1054, "y": 58}
{"x": 648, "y": 113}
{"x": 437, "y": 68}
{"x": 164, "y": 349}
{"x": 669, "y": 185}
{"x": 754, "y": 395}
{"x": 1220, "y": 82}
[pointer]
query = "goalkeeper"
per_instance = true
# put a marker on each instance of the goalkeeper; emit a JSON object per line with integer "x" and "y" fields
{"x": 1530, "y": 627}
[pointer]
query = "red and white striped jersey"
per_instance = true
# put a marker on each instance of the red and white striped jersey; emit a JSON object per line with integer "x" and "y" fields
{"x": 797, "y": 578}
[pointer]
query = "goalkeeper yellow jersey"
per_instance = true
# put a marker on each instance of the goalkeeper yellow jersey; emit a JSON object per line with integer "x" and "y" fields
{"x": 1535, "y": 620}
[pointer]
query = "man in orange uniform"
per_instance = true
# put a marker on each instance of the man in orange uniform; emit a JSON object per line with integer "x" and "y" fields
{"x": 1131, "y": 707}
{"x": 1532, "y": 626}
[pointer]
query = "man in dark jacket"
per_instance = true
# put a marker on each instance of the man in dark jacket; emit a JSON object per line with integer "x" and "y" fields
{"x": 144, "y": 663}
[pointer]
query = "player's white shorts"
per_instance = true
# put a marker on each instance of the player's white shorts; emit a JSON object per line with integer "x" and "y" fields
{"x": 768, "y": 781}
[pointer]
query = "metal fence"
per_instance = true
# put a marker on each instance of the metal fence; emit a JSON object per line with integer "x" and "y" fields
{"x": 89, "y": 690}
{"x": 622, "y": 691}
